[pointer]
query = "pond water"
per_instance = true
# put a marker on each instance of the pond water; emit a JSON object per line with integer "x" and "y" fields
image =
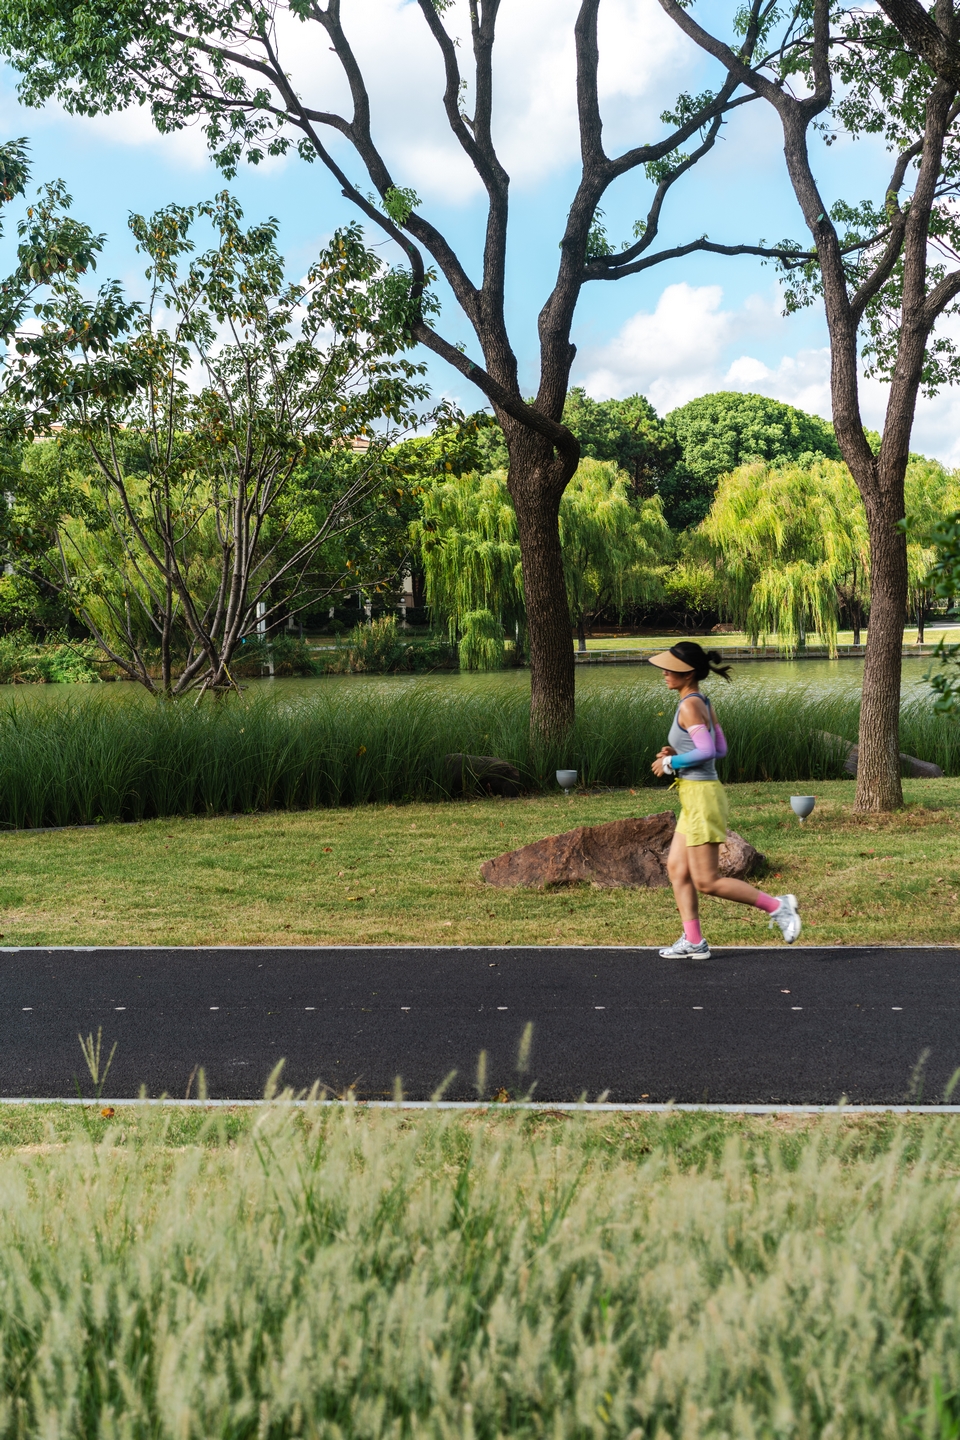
{"x": 821, "y": 677}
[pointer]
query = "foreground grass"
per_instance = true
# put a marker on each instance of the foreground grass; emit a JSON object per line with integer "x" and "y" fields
{"x": 410, "y": 874}
{"x": 341, "y": 1274}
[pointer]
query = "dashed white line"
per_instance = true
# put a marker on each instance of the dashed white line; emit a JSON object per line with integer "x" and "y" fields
{"x": 214, "y": 1007}
{"x": 896, "y": 1007}
{"x": 28, "y": 1007}
{"x": 796, "y": 1007}
{"x": 404, "y": 1007}
{"x": 599, "y": 1007}
{"x": 309, "y": 1007}
{"x": 119, "y": 1007}
{"x": 503, "y": 1007}
{"x": 698, "y": 1007}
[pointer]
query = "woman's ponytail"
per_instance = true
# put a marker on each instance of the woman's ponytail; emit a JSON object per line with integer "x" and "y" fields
{"x": 701, "y": 662}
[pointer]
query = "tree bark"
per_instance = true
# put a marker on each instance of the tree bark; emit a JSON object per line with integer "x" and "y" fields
{"x": 878, "y": 770}
{"x": 536, "y": 479}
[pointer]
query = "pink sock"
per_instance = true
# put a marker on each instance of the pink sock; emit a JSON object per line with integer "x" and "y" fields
{"x": 691, "y": 930}
{"x": 767, "y": 902}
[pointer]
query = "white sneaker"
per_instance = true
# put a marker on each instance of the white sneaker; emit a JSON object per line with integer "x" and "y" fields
{"x": 787, "y": 918}
{"x": 684, "y": 949}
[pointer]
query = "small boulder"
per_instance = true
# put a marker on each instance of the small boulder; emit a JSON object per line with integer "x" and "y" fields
{"x": 630, "y": 852}
{"x": 480, "y": 775}
{"x": 910, "y": 766}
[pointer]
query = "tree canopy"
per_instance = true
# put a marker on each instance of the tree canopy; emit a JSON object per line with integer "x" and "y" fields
{"x": 231, "y": 66}
{"x": 792, "y": 547}
{"x": 883, "y": 263}
{"x": 788, "y": 539}
{"x": 614, "y": 546}
{"x": 716, "y": 433}
{"x": 176, "y": 511}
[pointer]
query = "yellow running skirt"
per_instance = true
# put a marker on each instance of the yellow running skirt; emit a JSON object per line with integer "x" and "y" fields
{"x": 703, "y": 812}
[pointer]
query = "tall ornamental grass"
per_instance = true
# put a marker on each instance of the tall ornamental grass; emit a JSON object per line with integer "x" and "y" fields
{"x": 367, "y": 1276}
{"x": 91, "y": 759}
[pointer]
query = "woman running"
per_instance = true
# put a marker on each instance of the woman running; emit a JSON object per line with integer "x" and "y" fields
{"x": 695, "y": 743}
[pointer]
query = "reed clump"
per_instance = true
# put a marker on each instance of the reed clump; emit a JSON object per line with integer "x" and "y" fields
{"x": 90, "y": 759}
{"x": 340, "y": 1274}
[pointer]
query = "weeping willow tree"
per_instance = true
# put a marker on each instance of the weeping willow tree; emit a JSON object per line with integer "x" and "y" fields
{"x": 467, "y": 537}
{"x": 930, "y": 492}
{"x": 792, "y": 545}
{"x": 481, "y": 642}
{"x": 614, "y": 547}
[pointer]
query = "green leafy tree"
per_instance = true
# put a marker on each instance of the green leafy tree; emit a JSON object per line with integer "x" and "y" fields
{"x": 628, "y": 432}
{"x": 482, "y": 645}
{"x": 183, "y": 515}
{"x": 470, "y": 550}
{"x": 791, "y": 544}
{"x": 716, "y": 433}
{"x": 930, "y": 492}
{"x": 614, "y": 548}
{"x": 884, "y": 265}
{"x": 228, "y": 66}
{"x": 944, "y": 577}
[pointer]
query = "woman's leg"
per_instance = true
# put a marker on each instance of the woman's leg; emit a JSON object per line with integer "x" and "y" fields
{"x": 702, "y": 864}
{"x": 678, "y": 869}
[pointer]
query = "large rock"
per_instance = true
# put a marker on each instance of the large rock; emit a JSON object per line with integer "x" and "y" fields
{"x": 480, "y": 775}
{"x": 910, "y": 766}
{"x": 624, "y": 852}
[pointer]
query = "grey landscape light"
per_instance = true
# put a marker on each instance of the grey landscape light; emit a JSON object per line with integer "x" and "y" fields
{"x": 566, "y": 779}
{"x": 802, "y": 805}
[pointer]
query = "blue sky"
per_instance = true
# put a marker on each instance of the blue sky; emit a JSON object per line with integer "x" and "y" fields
{"x": 680, "y": 330}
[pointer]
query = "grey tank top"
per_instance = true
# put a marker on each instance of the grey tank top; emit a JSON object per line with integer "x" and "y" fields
{"x": 681, "y": 742}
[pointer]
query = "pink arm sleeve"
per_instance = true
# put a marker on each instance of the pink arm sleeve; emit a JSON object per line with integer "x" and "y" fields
{"x": 703, "y": 748}
{"x": 719, "y": 740}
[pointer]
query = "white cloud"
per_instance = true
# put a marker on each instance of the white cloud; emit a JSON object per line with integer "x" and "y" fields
{"x": 677, "y": 351}
{"x": 689, "y": 345}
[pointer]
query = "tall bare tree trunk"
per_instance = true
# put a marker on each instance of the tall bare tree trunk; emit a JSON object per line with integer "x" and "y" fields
{"x": 878, "y": 772}
{"x": 536, "y": 480}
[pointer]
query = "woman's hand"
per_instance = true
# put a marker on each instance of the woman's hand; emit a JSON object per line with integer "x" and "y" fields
{"x": 657, "y": 766}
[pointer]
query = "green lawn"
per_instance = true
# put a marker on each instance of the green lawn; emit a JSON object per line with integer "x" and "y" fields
{"x": 932, "y": 635}
{"x": 410, "y": 875}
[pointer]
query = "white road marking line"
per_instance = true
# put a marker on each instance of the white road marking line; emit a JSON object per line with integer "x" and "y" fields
{"x": 896, "y": 1007}
{"x": 404, "y": 1007}
{"x": 698, "y": 1007}
{"x": 214, "y": 1007}
{"x": 599, "y": 1007}
{"x": 796, "y": 1007}
{"x": 503, "y": 1007}
{"x": 28, "y": 1007}
{"x": 119, "y": 1007}
{"x": 309, "y": 1007}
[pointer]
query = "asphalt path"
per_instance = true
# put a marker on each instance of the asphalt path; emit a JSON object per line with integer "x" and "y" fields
{"x": 758, "y": 1026}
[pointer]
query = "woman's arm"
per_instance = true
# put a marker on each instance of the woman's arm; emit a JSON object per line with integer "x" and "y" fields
{"x": 704, "y": 749}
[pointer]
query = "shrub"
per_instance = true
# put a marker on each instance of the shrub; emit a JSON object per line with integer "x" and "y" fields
{"x": 288, "y": 653}
{"x": 24, "y": 660}
{"x": 382, "y": 648}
